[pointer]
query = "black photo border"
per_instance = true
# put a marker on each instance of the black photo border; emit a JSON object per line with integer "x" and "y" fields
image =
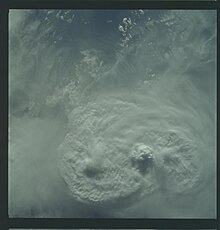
{"x": 73, "y": 223}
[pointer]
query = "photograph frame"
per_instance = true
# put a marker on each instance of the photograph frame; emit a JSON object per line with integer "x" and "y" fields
{"x": 5, "y": 221}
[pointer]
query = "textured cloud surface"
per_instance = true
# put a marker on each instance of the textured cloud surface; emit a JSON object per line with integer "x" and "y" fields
{"x": 112, "y": 113}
